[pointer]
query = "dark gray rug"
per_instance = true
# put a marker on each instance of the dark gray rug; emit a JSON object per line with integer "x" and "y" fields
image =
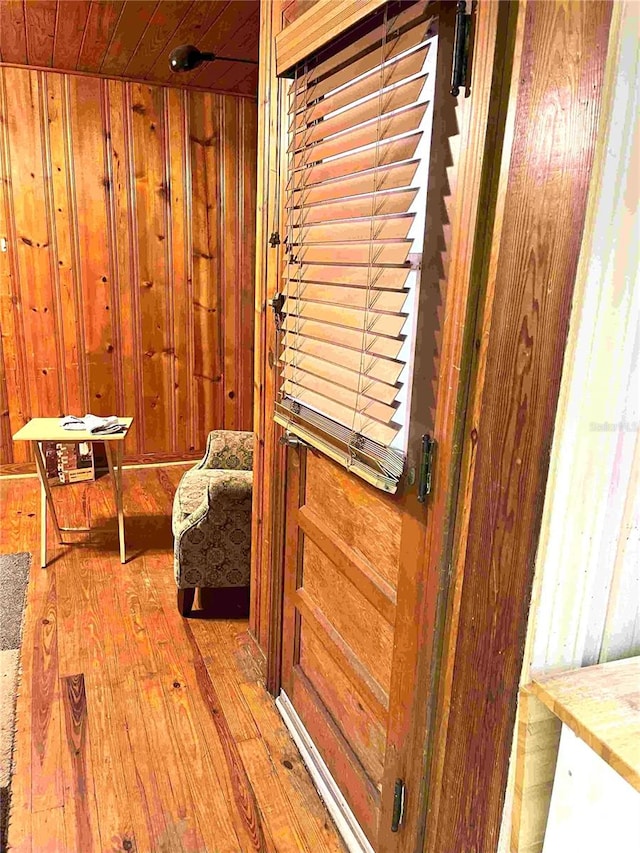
{"x": 14, "y": 577}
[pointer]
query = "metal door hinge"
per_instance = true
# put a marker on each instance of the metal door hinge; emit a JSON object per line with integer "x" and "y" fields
{"x": 426, "y": 466}
{"x": 277, "y": 304}
{"x": 398, "y": 805}
{"x": 274, "y": 240}
{"x": 460, "y": 49}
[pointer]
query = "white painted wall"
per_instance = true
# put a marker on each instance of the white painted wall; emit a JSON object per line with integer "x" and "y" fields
{"x": 593, "y": 807}
{"x": 588, "y": 566}
{"x": 586, "y": 602}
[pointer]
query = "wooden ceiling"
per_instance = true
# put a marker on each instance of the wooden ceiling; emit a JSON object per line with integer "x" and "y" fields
{"x": 124, "y": 38}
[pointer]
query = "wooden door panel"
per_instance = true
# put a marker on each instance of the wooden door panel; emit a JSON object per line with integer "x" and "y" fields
{"x": 367, "y": 634}
{"x": 342, "y": 654}
{"x": 359, "y": 571}
{"x": 354, "y": 715}
{"x": 357, "y": 788}
{"x": 360, "y": 516}
{"x": 342, "y": 551}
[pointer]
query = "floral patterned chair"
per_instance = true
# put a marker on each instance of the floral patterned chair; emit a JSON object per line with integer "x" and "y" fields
{"x": 212, "y": 521}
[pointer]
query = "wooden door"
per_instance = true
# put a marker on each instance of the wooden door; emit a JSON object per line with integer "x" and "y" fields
{"x": 343, "y": 558}
{"x": 364, "y": 572}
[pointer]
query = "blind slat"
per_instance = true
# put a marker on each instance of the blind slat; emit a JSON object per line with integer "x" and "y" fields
{"x": 364, "y": 275}
{"x": 355, "y": 297}
{"x": 353, "y": 379}
{"x": 374, "y": 252}
{"x": 385, "y": 370}
{"x": 371, "y": 321}
{"x": 374, "y": 344}
{"x": 384, "y": 178}
{"x": 405, "y": 121}
{"x": 374, "y": 228}
{"x": 378, "y": 204}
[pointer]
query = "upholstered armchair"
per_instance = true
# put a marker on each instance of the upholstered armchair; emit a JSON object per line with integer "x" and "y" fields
{"x": 212, "y": 520}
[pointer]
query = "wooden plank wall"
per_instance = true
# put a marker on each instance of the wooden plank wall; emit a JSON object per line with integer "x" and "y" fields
{"x": 127, "y": 287}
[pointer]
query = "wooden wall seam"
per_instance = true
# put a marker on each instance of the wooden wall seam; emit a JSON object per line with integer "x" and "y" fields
{"x": 128, "y": 263}
{"x": 168, "y": 254}
{"x": 188, "y": 211}
{"x": 114, "y": 272}
{"x": 75, "y": 251}
{"x": 136, "y": 329}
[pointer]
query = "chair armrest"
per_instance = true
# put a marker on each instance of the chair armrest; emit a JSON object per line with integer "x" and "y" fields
{"x": 228, "y": 449}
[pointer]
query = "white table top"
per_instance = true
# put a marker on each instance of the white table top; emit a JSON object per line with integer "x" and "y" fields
{"x": 49, "y": 429}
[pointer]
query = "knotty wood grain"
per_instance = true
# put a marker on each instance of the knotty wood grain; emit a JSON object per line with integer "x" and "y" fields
{"x": 74, "y": 702}
{"x": 128, "y": 284}
{"x": 556, "y": 112}
{"x": 44, "y": 722}
{"x": 40, "y": 26}
{"x": 14, "y": 32}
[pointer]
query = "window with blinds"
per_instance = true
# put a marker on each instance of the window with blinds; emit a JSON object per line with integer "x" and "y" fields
{"x": 359, "y": 132}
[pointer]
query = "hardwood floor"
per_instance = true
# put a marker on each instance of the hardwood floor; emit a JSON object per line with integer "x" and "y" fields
{"x": 138, "y": 730}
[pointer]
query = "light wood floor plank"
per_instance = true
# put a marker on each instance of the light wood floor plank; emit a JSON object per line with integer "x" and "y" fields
{"x": 318, "y": 830}
{"x": 49, "y": 832}
{"x": 80, "y": 808}
{"x": 123, "y": 820}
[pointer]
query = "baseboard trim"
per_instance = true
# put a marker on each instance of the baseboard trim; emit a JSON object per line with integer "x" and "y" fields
{"x": 347, "y": 825}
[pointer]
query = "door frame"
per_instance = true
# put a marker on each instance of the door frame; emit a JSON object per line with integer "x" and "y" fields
{"x": 481, "y": 120}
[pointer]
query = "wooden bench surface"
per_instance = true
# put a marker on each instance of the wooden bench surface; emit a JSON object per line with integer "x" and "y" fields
{"x": 601, "y": 704}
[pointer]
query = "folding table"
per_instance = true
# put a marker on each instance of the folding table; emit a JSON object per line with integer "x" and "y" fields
{"x": 49, "y": 429}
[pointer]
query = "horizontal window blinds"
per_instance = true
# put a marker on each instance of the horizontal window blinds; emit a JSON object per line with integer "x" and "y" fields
{"x": 359, "y": 131}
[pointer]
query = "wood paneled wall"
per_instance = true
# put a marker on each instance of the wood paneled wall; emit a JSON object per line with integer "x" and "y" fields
{"x": 127, "y": 287}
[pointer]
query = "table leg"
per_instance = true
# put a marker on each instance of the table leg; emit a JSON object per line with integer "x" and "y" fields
{"x": 115, "y": 469}
{"x": 45, "y": 500}
{"x": 536, "y": 756}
